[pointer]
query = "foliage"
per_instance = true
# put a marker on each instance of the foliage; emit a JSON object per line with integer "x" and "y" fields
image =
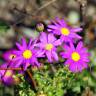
{"x": 54, "y": 83}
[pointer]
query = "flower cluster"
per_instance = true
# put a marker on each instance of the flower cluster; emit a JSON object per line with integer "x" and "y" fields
{"x": 59, "y": 33}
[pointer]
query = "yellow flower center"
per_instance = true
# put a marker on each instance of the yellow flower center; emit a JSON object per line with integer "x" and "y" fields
{"x": 8, "y": 73}
{"x": 65, "y": 31}
{"x": 27, "y": 54}
{"x": 12, "y": 56}
{"x": 75, "y": 56}
{"x": 49, "y": 47}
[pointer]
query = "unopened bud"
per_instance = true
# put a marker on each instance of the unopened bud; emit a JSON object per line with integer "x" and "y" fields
{"x": 40, "y": 27}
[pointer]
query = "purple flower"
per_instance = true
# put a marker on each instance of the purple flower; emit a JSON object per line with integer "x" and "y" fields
{"x": 6, "y": 75}
{"x": 49, "y": 43}
{"x": 9, "y": 56}
{"x": 66, "y": 33}
{"x": 77, "y": 58}
{"x": 27, "y": 55}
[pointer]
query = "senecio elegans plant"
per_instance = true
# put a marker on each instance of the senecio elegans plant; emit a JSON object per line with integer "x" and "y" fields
{"x": 60, "y": 42}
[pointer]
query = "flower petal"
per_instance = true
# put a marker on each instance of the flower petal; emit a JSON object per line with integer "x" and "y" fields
{"x": 43, "y": 38}
{"x": 26, "y": 65}
{"x": 37, "y": 63}
{"x": 40, "y": 53}
{"x": 51, "y": 38}
{"x": 65, "y": 54}
{"x": 57, "y": 42}
{"x": 52, "y": 26}
{"x": 40, "y": 45}
{"x": 49, "y": 56}
{"x": 72, "y": 46}
{"x": 74, "y": 35}
{"x": 55, "y": 55}
{"x": 19, "y": 46}
{"x": 17, "y": 64}
{"x": 24, "y": 43}
{"x": 79, "y": 46}
{"x": 76, "y": 29}
{"x": 30, "y": 42}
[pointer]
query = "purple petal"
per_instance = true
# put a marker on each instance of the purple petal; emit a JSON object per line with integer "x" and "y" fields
{"x": 43, "y": 37}
{"x": 24, "y": 43}
{"x": 8, "y": 81}
{"x": 73, "y": 67}
{"x": 40, "y": 53}
{"x": 34, "y": 44}
{"x": 52, "y": 26}
{"x": 74, "y": 35}
{"x": 40, "y": 45}
{"x": 76, "y": 29}
{"x": 57, "y": 42}
{"x": 37, "y": 63}
{"x": 18, "y": 58}
{"x": 17, "y": 52}
{"x": 65, "y": 54}
{"x": 18, "y": 63}
{"x": 25, "y": 66}
{"x": 51, "y": 38}
{"x": 79, "y": 46}
{"x": 72, "y": 46}
{"x": 55, "y": 55}
{"x": 49, "y": 30}
{"x": 68, "y": 62}
{"x": 3, "y": 66}
{"x": 66, "y": 47}
{"x": 77, "y": 36}
{"x": 19, "y": 46}
{"x": 85, "y": 59}
{"x": 49, "y": 56}
{"x": 61, "y": 21}
{"x": 84, "y": 65}
{"x": 84, "y": 49}
{"x": 57, "y": 32}
{"x": 65, "y": 39}
{"x": 30, "y": 43}
{"x": 62, "y": 38}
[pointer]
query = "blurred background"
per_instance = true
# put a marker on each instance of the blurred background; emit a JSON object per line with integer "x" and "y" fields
{"x": 19, "y": 18}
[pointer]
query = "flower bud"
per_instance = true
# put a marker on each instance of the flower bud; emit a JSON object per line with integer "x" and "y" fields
{"x": 40, "y": 27}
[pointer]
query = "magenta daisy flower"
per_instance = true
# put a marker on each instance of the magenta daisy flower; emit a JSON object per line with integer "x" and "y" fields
{"x": 6, "y": 75}
{"x": 27, "y": 55}
{"x": 9, "y": 56}
{"x": 66, "y": 33}
{"x": 77, "y": 58}
{"x": 49, "y": 43}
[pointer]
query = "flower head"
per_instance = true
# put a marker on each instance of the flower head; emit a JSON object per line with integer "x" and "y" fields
{"x": 27, "y": 55}
{"x": 6, "y": 75}
{"x": 66, "y": 33}
{"x": 49, "y": 43}
{"x": 77, "y": 58}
